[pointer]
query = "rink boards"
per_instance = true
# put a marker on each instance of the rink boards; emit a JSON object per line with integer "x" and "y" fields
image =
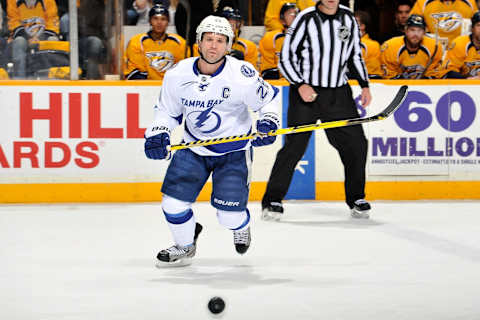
{"x": 64, "y": 141}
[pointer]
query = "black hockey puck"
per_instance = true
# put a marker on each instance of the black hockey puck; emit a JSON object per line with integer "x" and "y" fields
{"x": 216, "y": 305}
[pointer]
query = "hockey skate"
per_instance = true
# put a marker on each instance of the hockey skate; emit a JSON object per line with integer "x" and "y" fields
{"x": 272, "y": 211}
{"x": 241, "y": 240}
{"x": 360, "y": 209}
{"x": 177, "y": 255}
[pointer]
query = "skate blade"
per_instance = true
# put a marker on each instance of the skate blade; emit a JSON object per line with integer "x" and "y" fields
{"x": 270, "y": 215}
{"x": 175, "y": 264}
{"x": 359, "y": 215}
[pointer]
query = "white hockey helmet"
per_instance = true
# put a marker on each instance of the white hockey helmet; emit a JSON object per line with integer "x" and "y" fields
{"x": 218, "y": 25}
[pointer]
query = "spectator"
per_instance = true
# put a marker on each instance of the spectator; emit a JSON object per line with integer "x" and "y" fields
{"x": 370, "y": 48}
{"x": 402, "y": 11}
{"x": 412, "y": 56}
{"x": 149, "y": 55}
{"x": 30, "y": 21}
{"x": 91, "y": 35}
{"x": 131, "y": 15}
{"x": 446, "y": 17}
{"x": 3, "y": 50}
{"x": 142, "y": 7}
{"x": 242, "y": 49}
{"x": 463, "y": 57}
{"x": 92, "y": 38}
{"x": 200, "y": 8}
{"x": 271, "y": 44}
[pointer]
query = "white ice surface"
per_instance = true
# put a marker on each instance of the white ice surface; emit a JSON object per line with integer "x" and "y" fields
{"x": 411, "y": 260}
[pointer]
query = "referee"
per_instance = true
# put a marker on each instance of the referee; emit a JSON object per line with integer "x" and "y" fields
{"x": 321, "y": 44}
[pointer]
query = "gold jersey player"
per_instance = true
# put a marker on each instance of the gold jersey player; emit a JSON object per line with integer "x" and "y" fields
{"x": 412, "y": 56}
{"x": 149, "y": 55}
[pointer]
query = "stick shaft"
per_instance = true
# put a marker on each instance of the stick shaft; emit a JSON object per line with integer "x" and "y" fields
{"x": 397, "y": 101}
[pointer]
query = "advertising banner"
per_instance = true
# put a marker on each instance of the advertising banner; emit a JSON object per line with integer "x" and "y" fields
{"x": 434, "y": 132}
{"x": 70, "y": 134}
{"x": 79, "y": 134}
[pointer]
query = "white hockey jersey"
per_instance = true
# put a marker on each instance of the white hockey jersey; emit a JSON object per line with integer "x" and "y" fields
{"x": 214, "y": 106}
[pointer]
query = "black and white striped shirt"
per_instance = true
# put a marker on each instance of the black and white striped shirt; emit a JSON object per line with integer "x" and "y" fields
{"x": 319, "y": 48}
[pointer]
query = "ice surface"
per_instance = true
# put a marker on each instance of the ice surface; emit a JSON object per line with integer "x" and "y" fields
{"x": 411, "y": 260}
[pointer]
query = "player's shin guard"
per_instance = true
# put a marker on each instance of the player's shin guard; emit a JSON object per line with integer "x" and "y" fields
{"x": 185, "y": 231}
{"x": 182, "y": 226}
{"x": 238, "y": 222}
{"x": 180, "y": 218}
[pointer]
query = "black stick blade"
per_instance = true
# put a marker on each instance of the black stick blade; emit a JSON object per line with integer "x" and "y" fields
{"x": 396, "y": 102}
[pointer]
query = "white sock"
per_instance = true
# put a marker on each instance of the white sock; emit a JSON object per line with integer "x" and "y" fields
{"x": 180, "y": 219}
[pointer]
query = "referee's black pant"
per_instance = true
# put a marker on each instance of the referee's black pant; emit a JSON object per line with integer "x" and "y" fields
{"x": 350, "y": 142}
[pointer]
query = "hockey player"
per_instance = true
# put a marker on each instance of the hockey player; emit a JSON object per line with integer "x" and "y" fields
{"x": 463, "y": 56}
{"x": 272, "y": 13}
{"x": 211, "y": 93}
{"x": 412, "y": 56}
{"x": 30, "y": 21}
{"x": 149, "y": 55}
{"x": 370, "y": 48}
{"x": 271, "y": 43}
{"x": 445, "y": 16}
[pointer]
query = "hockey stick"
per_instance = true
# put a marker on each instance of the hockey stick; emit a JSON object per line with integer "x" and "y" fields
{"x": 396, "y": 102}
{"x": 430, "y": 61}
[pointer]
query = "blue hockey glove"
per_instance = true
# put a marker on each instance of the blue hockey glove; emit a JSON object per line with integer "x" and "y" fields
{"x": 156, "y": 146}
{"x": 263, "y": 127}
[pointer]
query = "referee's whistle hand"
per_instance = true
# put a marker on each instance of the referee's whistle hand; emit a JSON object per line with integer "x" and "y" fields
{"x": 366, "y": 97}
{"x": 307, "y": 93}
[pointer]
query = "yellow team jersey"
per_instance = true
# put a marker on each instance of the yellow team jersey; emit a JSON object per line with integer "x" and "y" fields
{"x": 398, "y": 63}
{"x": 463, "y": 57}
{"x": 448, "y": 15}
{"x": 3, "y": 74}
{"x": 272, "y": 13}
{"x": 149, "y": 59}
{"x": 270, "y": 46}
{"x": 246, "y": 47}
{"x": 304, "y": 4}
{"x": 42, "y": 16}
{"x": 371, "y": 55}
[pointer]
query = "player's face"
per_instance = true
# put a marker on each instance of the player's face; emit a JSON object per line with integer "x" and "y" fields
{"x": 414, "y": 35}
{"x": 213, "y": 46}
{"x": 289, "y": 16}
{"x": 402, "y": 14}
{"x": 476, "y": 31}
{"x": 159, "y": 23}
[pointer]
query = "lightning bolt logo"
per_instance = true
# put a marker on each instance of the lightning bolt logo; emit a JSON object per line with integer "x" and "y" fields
{"x": 202, "y": 117}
